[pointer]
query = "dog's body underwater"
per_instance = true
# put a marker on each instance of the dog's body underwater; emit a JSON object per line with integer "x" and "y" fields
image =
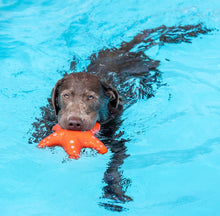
{"x": 115, "y": 78}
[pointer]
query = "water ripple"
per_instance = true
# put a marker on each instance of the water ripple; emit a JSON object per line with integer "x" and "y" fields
{"x": 173, "y": 156}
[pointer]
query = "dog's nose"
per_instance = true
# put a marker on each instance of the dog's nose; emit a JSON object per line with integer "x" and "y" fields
{"x": 74, "y": 123}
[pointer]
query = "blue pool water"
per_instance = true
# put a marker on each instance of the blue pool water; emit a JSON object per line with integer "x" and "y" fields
{"x": 174, "y": 147}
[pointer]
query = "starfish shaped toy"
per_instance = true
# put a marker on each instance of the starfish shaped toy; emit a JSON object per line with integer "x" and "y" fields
{"x": 74, "y": 141}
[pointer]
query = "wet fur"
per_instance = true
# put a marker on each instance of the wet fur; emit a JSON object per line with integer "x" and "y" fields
{"x": 81, "y": 99}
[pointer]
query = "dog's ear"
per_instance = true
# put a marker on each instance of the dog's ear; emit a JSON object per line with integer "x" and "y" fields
{"x": 113, "y": 95}
{"x": 54, "y": 96}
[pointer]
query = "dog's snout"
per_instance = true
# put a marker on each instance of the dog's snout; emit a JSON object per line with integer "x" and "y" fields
{"x": 74, "y": 123}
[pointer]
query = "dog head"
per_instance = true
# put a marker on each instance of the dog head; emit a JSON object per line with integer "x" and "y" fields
{"x": 81, "y": 99}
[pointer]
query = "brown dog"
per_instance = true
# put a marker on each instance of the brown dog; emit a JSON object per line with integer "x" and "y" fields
{"x": 81, "y": 99}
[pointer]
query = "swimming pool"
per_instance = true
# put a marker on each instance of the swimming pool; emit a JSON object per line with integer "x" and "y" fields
{"x": 173, "y": 167}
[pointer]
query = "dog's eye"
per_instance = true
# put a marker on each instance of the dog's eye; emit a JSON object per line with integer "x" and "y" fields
{"x": 66, "y": 96}
{"x": 90, "y": 97}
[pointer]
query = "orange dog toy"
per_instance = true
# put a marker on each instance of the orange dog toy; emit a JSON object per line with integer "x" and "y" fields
{"x": 74, "y": 141}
